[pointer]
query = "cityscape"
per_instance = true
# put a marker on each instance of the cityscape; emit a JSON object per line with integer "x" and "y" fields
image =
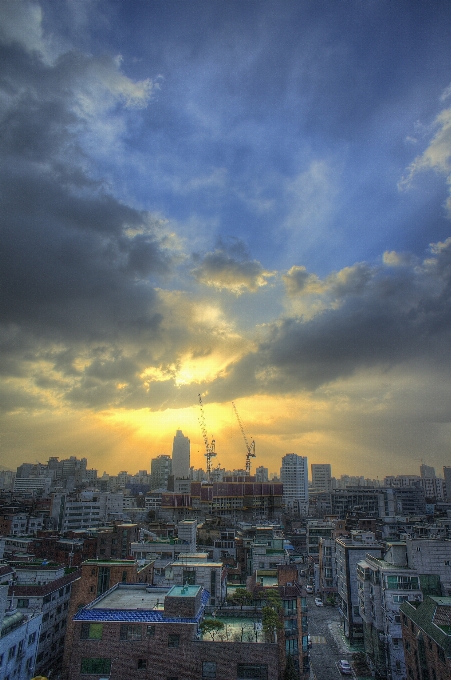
{"x": 225, "y": 340}
{"x": 299, "y": 576}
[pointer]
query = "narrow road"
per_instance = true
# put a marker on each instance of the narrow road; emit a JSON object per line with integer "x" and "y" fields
{"x": 325, "y": 652}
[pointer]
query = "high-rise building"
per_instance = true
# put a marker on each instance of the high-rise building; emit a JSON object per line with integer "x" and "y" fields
{"x": 261, "y": 474}
{"x": 427, "y": 471}
{"x": 321, "y": 476}
{"x": 294, "y": 477}
{"x": 160, "y": 470}
{"x": 181, "y": 456}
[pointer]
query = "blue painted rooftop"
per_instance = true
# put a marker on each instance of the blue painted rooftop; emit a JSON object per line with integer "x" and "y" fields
{"x": 136, "y": 604}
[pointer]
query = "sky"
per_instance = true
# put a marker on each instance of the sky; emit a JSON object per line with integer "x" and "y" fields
{"x": 248, "y": 200}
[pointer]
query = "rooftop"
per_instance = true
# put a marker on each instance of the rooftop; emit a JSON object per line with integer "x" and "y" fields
{"x": 138, "y": 603}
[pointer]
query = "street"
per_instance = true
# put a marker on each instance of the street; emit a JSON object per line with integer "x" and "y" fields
{"x": 327, "y": 646}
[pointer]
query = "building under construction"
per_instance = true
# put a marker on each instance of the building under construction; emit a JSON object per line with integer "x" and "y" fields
{"x": 240, "y": 501}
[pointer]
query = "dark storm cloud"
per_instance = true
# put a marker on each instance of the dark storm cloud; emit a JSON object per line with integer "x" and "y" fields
{"x": 68, "y": 265}
{"x": 76, "y": 264}
{"x": 386, "y": 316}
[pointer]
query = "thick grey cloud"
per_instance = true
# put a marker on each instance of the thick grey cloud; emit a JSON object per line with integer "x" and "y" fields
{"x": 385, "y": 317}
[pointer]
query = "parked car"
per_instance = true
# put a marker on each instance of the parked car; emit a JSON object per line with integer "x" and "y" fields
{"x": 319, "y": 602}
{"x": 309, "y": 589}
{"x": 344, "y": 667}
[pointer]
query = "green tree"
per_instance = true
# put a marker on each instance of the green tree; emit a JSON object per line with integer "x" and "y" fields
{"x": 271, "y": 622}
{"x": 242, "y": 597}
{"x": 211, "y": 626}
{"x": 273, "y": 600}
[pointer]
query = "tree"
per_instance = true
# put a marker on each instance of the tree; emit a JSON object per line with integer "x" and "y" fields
{"x": 290, "y": 672}
{"x": 273, "y": 600}
{"x": 271, "y": 622}
{"x": 242, "y": 597}
{"x": 211, "y": 626}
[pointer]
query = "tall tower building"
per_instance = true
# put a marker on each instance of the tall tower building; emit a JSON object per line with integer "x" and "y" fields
{"x": 180, "y": 456}
{"x": 321, "y": 476}
{"x": 294, "y": 477}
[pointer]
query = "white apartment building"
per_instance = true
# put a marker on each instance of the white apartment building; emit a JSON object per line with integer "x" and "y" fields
{"x": 348, "y": 552}
{"x": 294, "y": 477}
{"x": 321, "y": 477}
{"x": 383, "y": 585}
{"x": 18, "y": 640}
{"x": 86, "y": 509}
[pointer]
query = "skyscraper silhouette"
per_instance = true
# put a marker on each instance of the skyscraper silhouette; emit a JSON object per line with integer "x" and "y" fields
{"x": 180, "y": 456}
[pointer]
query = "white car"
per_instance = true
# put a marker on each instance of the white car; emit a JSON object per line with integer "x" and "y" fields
{"x": 319, "y": 602}
{"x": 344, "y": 667}
{"x": 309, "y": 589}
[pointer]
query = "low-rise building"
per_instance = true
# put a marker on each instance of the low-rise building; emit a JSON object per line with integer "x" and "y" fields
{"x": 19, "y": 636}
{"x": 426, "y": 634}
{"x": 146, "y": 632}
{"x": 44, "y": 588}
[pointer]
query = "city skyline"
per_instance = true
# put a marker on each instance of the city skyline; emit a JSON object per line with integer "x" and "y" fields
{"x": 245, "y": 201}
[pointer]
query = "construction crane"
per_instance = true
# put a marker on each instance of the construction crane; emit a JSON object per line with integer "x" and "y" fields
{"x": 209, "y": 447}
{"x": 250, "y": 448}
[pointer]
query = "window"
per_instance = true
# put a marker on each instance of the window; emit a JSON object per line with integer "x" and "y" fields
{"x": 91, "y": 631}
{"x": 58, "y": 609}
{"x": 96, "y": 666}
{"x": 29, "y": 664}
{"x": 173, "y": 640}
{"x": 31, "y": 638}
{"x": 142, "y": 664}
{"x": 46, "y": 599}
{"x": 245, "y": 671}
{"x": 1, "y": 659}
{"x": 289, "y": 607}
{"x": 68, "y": 589}
{"x": 61, "y": 592}
{"x": 150, "y": 631}
{"x": 22, "y": 602}
{"x": 131, "y": 631}
{"x": 209, "y": 669}
{"x": 11, "y": 652}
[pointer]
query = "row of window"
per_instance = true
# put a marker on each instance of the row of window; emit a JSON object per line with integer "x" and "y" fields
{"x": 92, "y": 666}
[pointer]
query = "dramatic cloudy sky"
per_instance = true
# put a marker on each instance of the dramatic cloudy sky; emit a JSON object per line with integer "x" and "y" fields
{"x": 248, "y": 200}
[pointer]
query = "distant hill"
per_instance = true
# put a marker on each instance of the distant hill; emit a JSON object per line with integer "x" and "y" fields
{"x": 2, "y": 467}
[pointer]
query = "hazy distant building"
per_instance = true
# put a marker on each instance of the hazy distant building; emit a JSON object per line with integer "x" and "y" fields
{"x": 261, "y": 474}
{"x": 447, "y": 476}
{"x": 160, "y": 471}
{"x": 181, "y": 456}
{"x": 427, "y": 471}
{"x": 321, "y": 476}
{"x": 294, "y": 477}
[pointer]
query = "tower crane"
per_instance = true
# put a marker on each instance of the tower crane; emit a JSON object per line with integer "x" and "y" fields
{"x": 209, "y": 447}
{"x": 250, "y": 448}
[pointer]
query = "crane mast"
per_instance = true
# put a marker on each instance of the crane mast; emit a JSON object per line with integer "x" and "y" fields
{"x": 250, "y": 448}
{"x": 209, "y": 447}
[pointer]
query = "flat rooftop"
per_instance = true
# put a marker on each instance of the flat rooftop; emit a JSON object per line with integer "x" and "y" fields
{"x": 138, "y": 603}
{"x": 133, "y": 598}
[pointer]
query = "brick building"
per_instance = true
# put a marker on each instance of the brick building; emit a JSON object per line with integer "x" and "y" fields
{"x": 426, "y": 634}
{"x": 95, "y": 578}
{"x": 137, "y": 631}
